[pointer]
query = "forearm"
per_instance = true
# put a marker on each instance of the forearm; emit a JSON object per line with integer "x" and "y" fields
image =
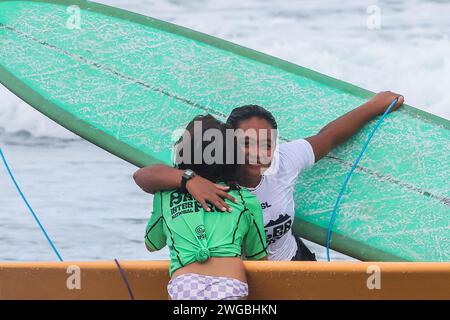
{"x": 350, "y": 123}
{"x": 158, "y": 177}
{"x": 341, "y": 129}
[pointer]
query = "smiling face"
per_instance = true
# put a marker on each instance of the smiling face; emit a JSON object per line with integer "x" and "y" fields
{"x": 257, "y": 145}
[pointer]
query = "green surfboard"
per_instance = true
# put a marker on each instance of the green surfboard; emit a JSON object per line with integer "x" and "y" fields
{"x": 125, "y": 82}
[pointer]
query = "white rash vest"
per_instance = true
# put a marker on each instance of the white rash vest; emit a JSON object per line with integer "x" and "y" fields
{"x": 275, "y": 193}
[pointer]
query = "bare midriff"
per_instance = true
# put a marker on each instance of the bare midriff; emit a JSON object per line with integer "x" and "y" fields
{"x": 231, "y": 267}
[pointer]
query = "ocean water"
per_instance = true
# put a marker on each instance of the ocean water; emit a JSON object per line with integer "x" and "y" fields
{"x": 86, "y": 198}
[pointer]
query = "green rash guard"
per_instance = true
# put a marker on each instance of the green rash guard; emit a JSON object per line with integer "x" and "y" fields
{"x": 194, "y": 235}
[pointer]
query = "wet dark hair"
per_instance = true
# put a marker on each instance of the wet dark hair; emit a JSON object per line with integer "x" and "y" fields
{"x": 249, "y": 111}
{"x": 220, "y": 170}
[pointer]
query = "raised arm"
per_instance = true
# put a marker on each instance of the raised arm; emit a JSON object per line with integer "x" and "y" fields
{"x": 341, "y": 129}
{"x": 160, "y": 177}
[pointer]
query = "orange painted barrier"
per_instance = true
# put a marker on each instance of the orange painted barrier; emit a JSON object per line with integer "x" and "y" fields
{"x": 267, "y": 280}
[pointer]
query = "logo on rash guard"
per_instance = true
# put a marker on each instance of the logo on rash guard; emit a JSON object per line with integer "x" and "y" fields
{"x": 277, "y": 229}
{"x": 200, "y": 230}
{"x": 265, "y": 205}
{"x": 182, "y": 203}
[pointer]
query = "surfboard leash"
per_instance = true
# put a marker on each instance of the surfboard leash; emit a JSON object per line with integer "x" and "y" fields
{"x": 350, "y": 173}
{"x": 30, "y": 209}
{"x": 125, "y": 280}
{"x": 49, "y": 240}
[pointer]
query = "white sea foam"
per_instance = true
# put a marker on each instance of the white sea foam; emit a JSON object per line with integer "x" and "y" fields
{"x": 409, "y": 54}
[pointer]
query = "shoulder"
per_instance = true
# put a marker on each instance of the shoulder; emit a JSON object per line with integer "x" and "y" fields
{"x": 249, "y": 200}
{"x": 161, "y": 195}
{"x": 292, "y": 157}
{"x": 242, "y": 192}
{"x": 163, "y": 198}
{"x": 297, "y": 148}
